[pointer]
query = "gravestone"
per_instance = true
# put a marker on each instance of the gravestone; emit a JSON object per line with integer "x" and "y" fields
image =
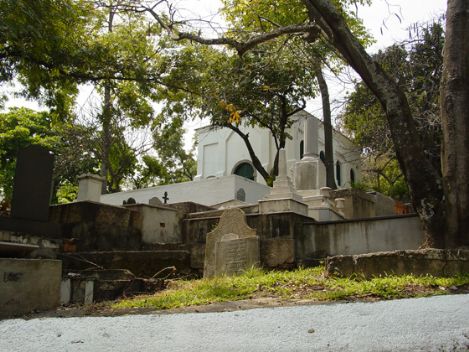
{"x": 232, "y": 246}
{"x": 241, "y": 195}
{"x": 155, "y": 201}
{"x": 33, "y": 184}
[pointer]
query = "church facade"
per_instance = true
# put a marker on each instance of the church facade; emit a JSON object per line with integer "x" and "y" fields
{"x": 222, "y": 152}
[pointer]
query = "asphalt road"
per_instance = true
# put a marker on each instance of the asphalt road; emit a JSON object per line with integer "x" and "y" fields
{"x": 423, "y": 324}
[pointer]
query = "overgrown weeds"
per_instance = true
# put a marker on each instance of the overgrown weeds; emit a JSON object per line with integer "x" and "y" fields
{"x": 304, "y": 284}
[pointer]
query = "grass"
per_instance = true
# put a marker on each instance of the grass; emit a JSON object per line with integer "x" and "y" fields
{"x": 310, "y": 284}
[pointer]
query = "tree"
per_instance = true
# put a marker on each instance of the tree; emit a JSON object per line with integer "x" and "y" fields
{"x": 263, "y": 88}
{"x": 438, "y": 201}
{"x": 52, "y": 46}
{"x": 328, "y": 135}
{"x": 455, "y": 124}
{"x": 424, "y": 180}
{"x": 177, "y": 164}
{"x": 73, "y": 146}
{"x": 417, "y": 64}
{"x": 20, "y": 128}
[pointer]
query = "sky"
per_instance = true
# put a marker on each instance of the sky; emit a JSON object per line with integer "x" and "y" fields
{"x": 379, "y": 18}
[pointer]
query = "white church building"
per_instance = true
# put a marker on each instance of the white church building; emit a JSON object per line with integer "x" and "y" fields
{"x": 222, "y": 152}
{"x": 225, "y": 172}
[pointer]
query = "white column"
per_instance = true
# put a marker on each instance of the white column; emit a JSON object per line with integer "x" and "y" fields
{"x": 282, "y": 165}
{"x": 311, "y": 137}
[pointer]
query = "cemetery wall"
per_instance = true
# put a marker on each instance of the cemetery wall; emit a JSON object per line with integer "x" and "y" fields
{"x": 359, "y": 204}
{"x": 319, "y": 240}
{"x": 29, "y": 284}
{"x": 437, "y": 262}
{"x": 97, "y": 226}
{"x": 276, "y": 234}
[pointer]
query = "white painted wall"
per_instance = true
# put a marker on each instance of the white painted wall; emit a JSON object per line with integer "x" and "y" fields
{"x": 158, "y": 224}
{"x": 221, "y": 150}
{"x": 206, "y": 191}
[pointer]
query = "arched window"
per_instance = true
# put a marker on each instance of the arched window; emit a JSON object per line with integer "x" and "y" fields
{"x": 338, "y": 173}
{"x": 302, "y": 149}
{"x": 322, "y": 156}
{"x": 245, "y": 170}
{"x": 352, "y": 177}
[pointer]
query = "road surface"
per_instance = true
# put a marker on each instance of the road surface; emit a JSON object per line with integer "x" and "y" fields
{"x": 422, "y": 324}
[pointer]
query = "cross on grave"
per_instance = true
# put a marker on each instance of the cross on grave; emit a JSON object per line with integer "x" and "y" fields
{"x": 165, "y": 198}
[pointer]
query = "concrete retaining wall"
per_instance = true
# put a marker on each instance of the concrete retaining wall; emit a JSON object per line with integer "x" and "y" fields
{"x": 320, "y": 240}
{"x": 437, "y": 262}
{"x": 29, "y": 284}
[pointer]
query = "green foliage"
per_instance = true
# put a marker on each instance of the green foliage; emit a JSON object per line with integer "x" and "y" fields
{"x": 416, "y": 68}
{"x": 308, "y": 283}
{"x": 71, "y": 144}
{"x": 20, "y": 128}
{"x": 172, "y": 164}
{"x": 66, "y": 193}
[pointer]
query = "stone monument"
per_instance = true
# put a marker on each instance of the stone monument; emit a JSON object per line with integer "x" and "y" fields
{"x": 33, "y": 184}
{"x": 283, "y": 196}
{"x": 310, "y": 171}
{"x": 90, "y": 187}
{"x": 232, "y": 246}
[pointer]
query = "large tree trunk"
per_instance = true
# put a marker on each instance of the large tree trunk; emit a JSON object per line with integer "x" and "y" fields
{"x": 455, "y": 123}
{"x": 328, "y": 140}
{"x": 423, "y": 180}
{"x": 106, "y": 117}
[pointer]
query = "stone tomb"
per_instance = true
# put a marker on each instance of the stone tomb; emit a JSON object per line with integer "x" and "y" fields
{"x": 232, "y": 246}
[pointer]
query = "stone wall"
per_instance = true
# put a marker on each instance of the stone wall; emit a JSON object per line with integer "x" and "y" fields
{"x": 96, "y": 226}
{"x": 319, "y": 240}
{"x": 437, "y": 262}
{"x": 359, "y": 204}
{"x": 29, "y": 284}
{"x": 276, "y": 233}
{"x": 158, "y": 224}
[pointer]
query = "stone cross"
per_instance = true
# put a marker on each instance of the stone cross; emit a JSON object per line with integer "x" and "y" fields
{"x": 311, "y": 137}
{"x": 165, "y": 197}
{"x": 232, "y": 246}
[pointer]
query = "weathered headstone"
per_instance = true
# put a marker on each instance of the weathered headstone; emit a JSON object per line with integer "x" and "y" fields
{"x": 131, "y": 201}
{"x": 241, "y": 195}
{"x": 155, "y": 201}
{"x": 232, "y": 246}
{"x": 33, "y": 184}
